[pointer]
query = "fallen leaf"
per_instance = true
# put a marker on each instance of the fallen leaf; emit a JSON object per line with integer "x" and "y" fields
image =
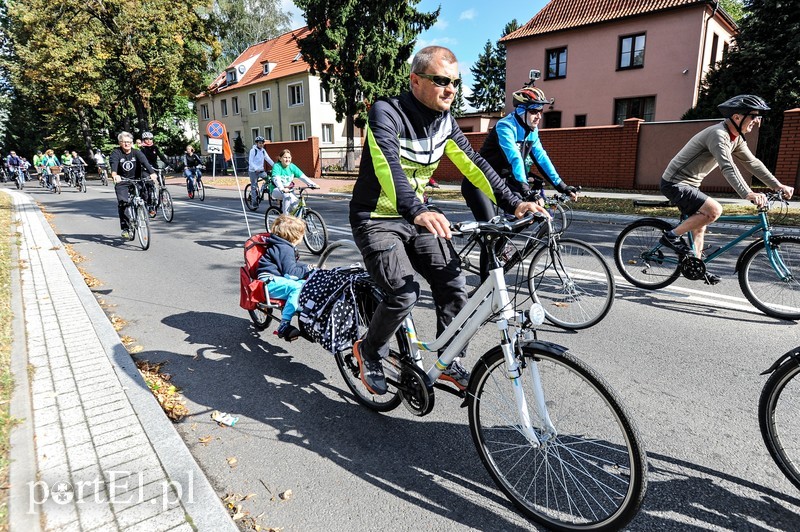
{"x": 286, "y": 495}
{"x": 205, "y": 439}
{"x": 232, "y": 461}
{"x": 248, "y": 496}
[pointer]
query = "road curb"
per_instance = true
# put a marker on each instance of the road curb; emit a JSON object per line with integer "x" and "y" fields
{"x": 204, "y": 506}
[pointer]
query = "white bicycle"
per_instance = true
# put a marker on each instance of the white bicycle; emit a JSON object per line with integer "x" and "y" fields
{"x": 550, "y": 431}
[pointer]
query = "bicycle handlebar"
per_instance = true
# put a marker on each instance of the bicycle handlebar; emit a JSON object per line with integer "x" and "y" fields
{"x": 503, "y": 226}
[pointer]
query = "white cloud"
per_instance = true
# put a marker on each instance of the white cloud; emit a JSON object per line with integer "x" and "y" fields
{"x": 440, "y": 25}
{"x": 469, "y": 14}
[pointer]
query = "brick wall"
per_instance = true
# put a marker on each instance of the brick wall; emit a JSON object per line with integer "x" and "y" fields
{"x": 787, "y": 169}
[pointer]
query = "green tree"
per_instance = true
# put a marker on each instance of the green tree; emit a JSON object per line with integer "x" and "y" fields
{"x": 360, "y": 50}
{"x": 240, "y": 24}
{"x": 734, "y": 8}
{"x": 488, "y": 89}
{"x": 763, "y": 61}
{"x": 500, "y": 50}
{"x": 86, "y": 61}
{"x": 458, "y": 107}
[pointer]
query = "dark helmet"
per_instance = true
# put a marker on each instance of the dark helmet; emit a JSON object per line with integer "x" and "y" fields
{"x": 530, "y": 97}
{"x": 147, "y": 135}
{"x": 259, "y": 139}
{"x": 743, "y": 104}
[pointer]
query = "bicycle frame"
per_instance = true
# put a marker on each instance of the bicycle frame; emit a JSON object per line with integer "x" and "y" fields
{"x": 760, "y": 224}
{"x": 490, "y": 298}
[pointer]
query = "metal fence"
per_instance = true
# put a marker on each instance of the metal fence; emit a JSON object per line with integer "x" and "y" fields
{"x": 335, "y": 159}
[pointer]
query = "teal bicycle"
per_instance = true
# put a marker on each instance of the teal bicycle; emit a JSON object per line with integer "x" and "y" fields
{"x": 768, "y": 268}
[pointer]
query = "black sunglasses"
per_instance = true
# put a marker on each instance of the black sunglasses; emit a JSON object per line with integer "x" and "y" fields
{"x": 441, "y": 81}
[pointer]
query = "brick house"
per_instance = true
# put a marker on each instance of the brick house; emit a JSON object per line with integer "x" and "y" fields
{"x": 605, "y": 61}
{"x": 269, "y": 91}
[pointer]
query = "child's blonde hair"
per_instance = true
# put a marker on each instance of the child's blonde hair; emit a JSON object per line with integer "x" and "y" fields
{"x": 289, "y": 228}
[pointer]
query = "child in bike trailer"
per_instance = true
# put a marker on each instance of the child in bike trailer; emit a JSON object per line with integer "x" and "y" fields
{"x": 281, "y": 272}
{"x": 283, "y": 174}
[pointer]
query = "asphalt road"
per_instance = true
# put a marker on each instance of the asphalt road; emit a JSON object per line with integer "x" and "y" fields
{"x": 686, "y": 361}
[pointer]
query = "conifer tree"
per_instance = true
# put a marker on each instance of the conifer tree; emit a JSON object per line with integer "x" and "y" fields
{"x": 488, "y": 89}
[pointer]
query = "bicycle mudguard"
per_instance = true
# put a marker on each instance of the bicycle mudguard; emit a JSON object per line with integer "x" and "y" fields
{"x": 547, "y": 347}
{"x": 655, "y": 221}
{"x": 794, "y": 354}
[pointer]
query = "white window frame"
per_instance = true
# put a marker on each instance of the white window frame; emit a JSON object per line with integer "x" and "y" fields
{"x": 294, "y": 94}
{"x": 266, "y": 100}
{"x": 252, "y": 98}
{"x": 327, "y": 134}
{"x": 297, "y": 127}
{"x": 223, "y": 107}
{"x": 204, "y": 111}
{"x": 235, "y": 105}
{"x": 254, "y": 134}
{"x": 324, "y": 96}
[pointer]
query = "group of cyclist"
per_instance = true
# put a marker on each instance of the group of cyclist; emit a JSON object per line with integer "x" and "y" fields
{"x": 406, "y": 137}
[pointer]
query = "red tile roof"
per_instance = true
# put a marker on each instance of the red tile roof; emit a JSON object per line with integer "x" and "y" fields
{"x": 568, "y": 14}
{"x": 282, "y": 51}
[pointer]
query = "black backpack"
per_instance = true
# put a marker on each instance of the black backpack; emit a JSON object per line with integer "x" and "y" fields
{"x": 328, "y": 309}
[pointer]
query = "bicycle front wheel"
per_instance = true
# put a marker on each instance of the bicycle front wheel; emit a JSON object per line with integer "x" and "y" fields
{"x": 774, "y": 294}
{"x": 367, "y": 301}
{"x": 779, "y": 418}
{"x": 316, "y": 235}
{"x": 590, "y": 474}
{"x": 561, "y": 217}
{"x": 573, "y": 284}
{"x": 201, "y": 190}
{"x": 641, "y": 259}
{"x": 142, "y": 227}
{"x": 83, "y": 184}
{"x": 270, "y": 216}
{"x": 167, "y": 209}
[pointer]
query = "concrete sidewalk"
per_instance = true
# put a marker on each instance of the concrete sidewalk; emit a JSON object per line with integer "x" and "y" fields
{"x": 93, "y": 450}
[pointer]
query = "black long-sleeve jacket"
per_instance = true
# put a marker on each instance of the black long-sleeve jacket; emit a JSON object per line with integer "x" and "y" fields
{"x": 404, "y": 142}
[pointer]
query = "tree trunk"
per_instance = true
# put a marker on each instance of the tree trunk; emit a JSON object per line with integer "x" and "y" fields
{"x": 86, "y": 131}
{"x": 349, "y": 163}
{"x": 140, "y": 106}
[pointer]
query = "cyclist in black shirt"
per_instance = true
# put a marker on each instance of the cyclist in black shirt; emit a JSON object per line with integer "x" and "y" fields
{"x": 151, "y": 151}
{"x": 127, "y": 163}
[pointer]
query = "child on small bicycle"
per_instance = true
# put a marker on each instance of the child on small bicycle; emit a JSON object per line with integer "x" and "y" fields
{"x": 283, "y": 174}
{"x": 280, "y": 270}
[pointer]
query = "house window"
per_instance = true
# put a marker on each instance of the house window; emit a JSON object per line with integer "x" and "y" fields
{"x": 631, "y": 52}
{"x": 327, "y": 133}
{"x": 224, "y": 106}
{"x": 552, "y": 119}
{"x": 634, "y": 108}
{"x": 254, "y": 133}
{"x": 230, "y": 76}
{"x": 266, "y": 100}
{"x": 298, "y": 131}
{"x": 324, "y": 96}
{"x": 268, "y": 133}
{"x": 580, "y": 120}
{"x": 724, "y": 49}
{"x": 714, "y": 44}
{"x": 295, "y": 94}
{"x": 556, "y": 60}
{"x": 204, "y": 112}
{"x": 235, "y": 105}
{"x": 253, "y": 102}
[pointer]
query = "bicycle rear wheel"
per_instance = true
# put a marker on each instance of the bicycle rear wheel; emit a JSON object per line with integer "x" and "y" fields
{"x": 316, "y": 235}
{"x": 641, "y": 259}
{"x": 201, "y": 190}
{"x": 590, "y": 475}
{"x": 367, "y": 301}
{"x": 248, "y": 198}
{"x": 779, "y": 418}
{"x": 772, "y": 295}
{"x": 165, "y": 201}
{"x": 573, "y": 284}
{"x": 261, "y": 317}
{"x": 270, "y": 216}
{"x": 142, "y": 226}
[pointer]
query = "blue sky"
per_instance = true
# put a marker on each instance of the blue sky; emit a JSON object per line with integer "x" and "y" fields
{"x": 464, "y": 26}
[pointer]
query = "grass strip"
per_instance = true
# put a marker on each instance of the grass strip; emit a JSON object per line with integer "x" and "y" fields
{"x": 6, "y": 379}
